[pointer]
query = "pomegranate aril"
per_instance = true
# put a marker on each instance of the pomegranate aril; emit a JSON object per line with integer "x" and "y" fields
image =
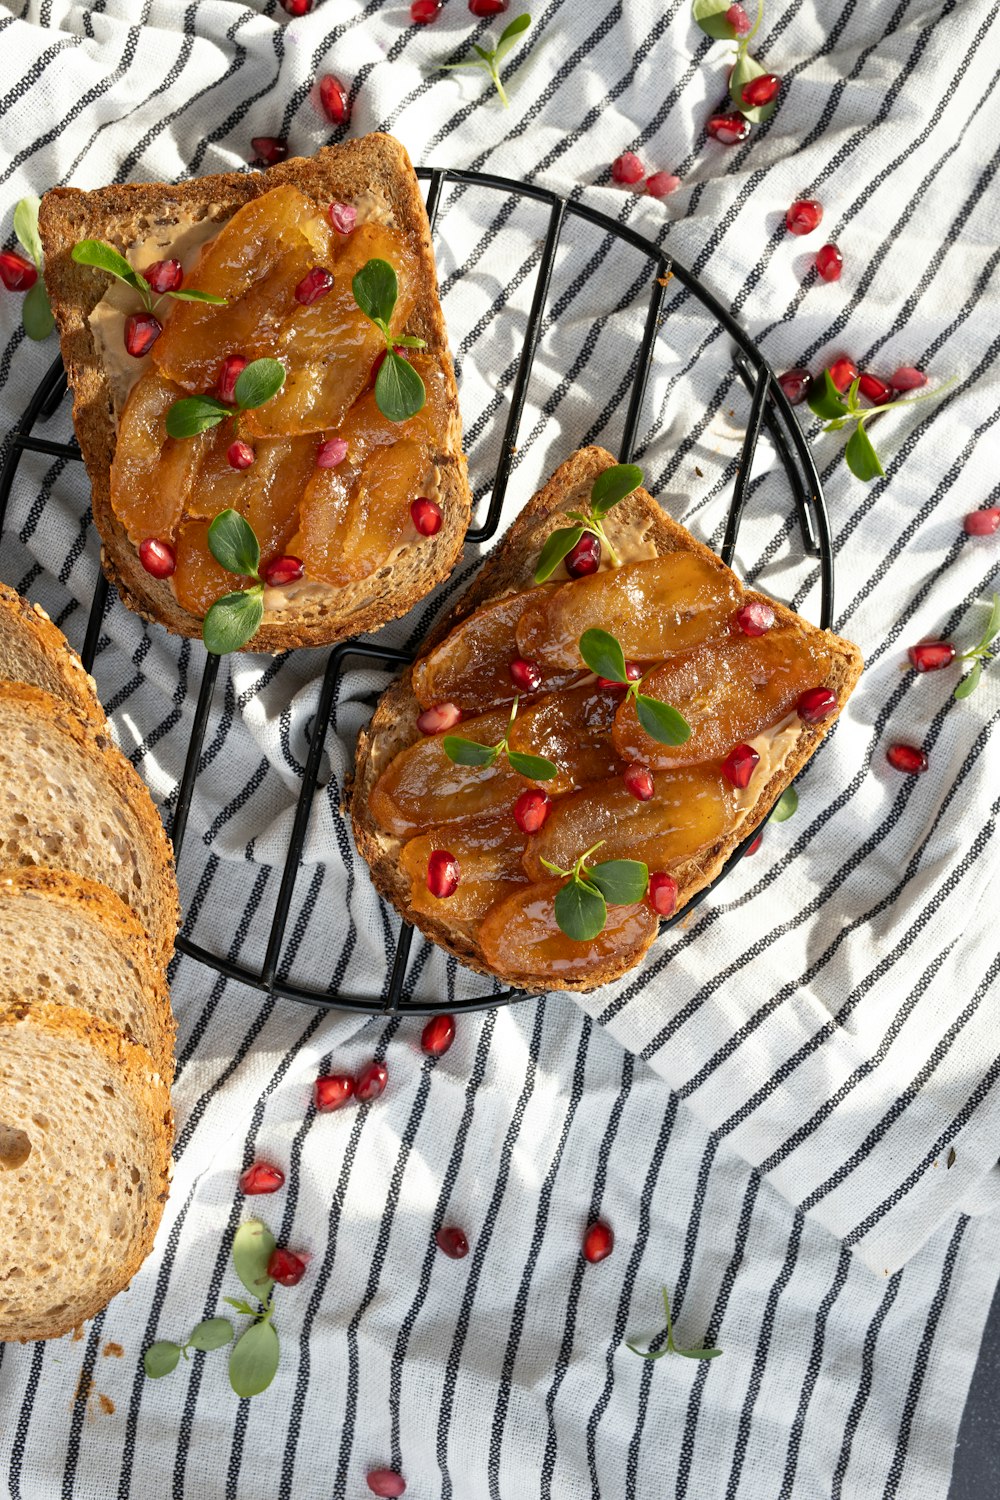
{"x": 426, "y": 516}
{"x": 453, "y": 1242}
{"x": 752, "y": 848}
{"x": 531, "y": 809}
{"x": 931, "y": 656}
{"x": 662, "y": 893}
{"x": 907, "y": 378}
{"x": 285, "y": 1267}
{"x": 438, "y": 1035}
{"x": 633, "y": 672}
{"x": 486, "y": 8}
{"x": 164, "y": 275}
{"x": 297, "y": 7}
{"x": 438, "y": 717}
{"x": 829, "y": 263}
{"x": 816, "y": 704}
{"x": 333, "y": 97}
{"x": 269, "y": 148}
{"x": 795, "y": 384}
{"x": 314, "y": 284}
{"x": 232, "y": 368}
{"x": 639, "y": 782}
{"x": 739, "y": 20}
{"x": 141, "y": 332}
{"x": 16, "y": 273}
{"x": 343, "y": 217}
{"x": 598, "y": 1242}
{"x": 760, "y": 91}
{"x": 331, "y": 453}
{"x": 740, "y": 764}
{"x": 908, "y": 758}
{"x": 982, "y": 522}
{"x": 627, "y": 169}
{"x": 728, "y": 130}
{"x": 443, "y": 874}
{"x": 585, "y": 557}
{"x": 423, "y": 11}
{"x": 285, "y": 569}
{"x": 371, "y": 1081}
{"x": 386, "y": 1482}
{"x": 874, "y": 390}
{"x": 158, "y": 558}
{"x": 261, "y": 1178}
{"x": 525, "y": 675}
{"x": 240, "y": 455}
{"x": 755, "y": 618}
{"x": 332, "y": 1091}
{"x": 843, "y": 373}
{"x": 804, "y": 216}
{"x": 662, "y": 184}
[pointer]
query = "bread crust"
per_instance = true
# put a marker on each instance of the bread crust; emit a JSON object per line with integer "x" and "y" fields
{"x": 120, "y": 214}
{"x": 30, "y": 622}
{"x": 510, "y": 567}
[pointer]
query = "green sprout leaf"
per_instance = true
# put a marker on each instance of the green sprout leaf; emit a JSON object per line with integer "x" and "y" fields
{"x": 254, "y": 1360}
{"x": 253, "y": 1246}
{"x": 191, "y": 294}
{"x": 258, "y": 382}
{"x": 234, "y": 545}
{"x": 746, "y": 69}
{"x": 160, "y": 1358}
{"x": 557, "y": 546}
{"x": 710, "y": 15}
{"x": 104, "y": 257}
{"x": 992, "y": 627}
{"x": 535, "y": 767}
{"x": 375, "y": 290}
{"x": 620, "y": 881}
{"x": 489, "y": 60}
{"x": 603, "y": 655}
{"x": 469, "y": 752}
{"x": 786, "y": 805}
{"x": 970, "y": 682}
{"x": 213, "y": 1333}
{"x": 409, "y": 341}
{"x": 193, "y": 414}
{"x": 233, "y": 620}
{"x": 862, "y": 460}
{"x": 825, "y": 400}
{"x": 581, "y": 911}
{"x": 36, "y": 312}
{"x": 241, "y": 1306}
{"x": 508, "y": 38}
{"x": 399, "y": 390}
{"x": 613, "y": 485}
{"x": 661, "y": 722}
{"x": 26, "y": 228}
{"x": 670, "y": 1347}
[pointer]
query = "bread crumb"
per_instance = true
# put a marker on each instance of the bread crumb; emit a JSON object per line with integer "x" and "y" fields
{"x": 115, "y": 1350}
{"x": 77, "y": 1333}
{"x": 107, "y": 1405}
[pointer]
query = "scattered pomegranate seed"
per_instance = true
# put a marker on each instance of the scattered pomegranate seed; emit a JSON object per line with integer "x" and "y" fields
{"x": 906, "y": 378}
{"x": 16, "y": 273}
{"x": 331, "y": 453}
{"x": 426, "y": 516}
{"x": 314, "y": 284}
{"x": 908, "y": 758}
{"x": 598, "y": 1242}
{"x": 525, "y": 675}
{"x": 982, "y": 522}
{"x": 438, "y": 1035}
{"x": 627, "y": 169}
{"x": 829, "y": 263}
{"x": 633, "y": 672}
{"x": 439, "y": 716}
{"x": 141, "y": 332}
{"x": 297, "y": 7}
{"x": 284, "y": 569}
{"x": 157, "y": 557}
{"x": 816, "y": 704}
{"x": 531, "y": 809}
{"x": 443, "y": 874}
{"x": 332, "y": 1090}
{"x": 487, "y": 8}
{"x": 755, "y": 618}
{"x": 740, "y": 764}
{"x": 639, "y": 782}
{"x": 804, "y": 216}
{"x": 728, "y": 130}
{"x": 662, "y": 184}
{"x": 453, "y": 1242}
{"x": 760, "y": 91}
{"x": 386, "y": 1482}
{"x": 585, "y": 557}
{"x": 240, "y": 455}
{"x": 739, "y": 20}
{"x": 422, "y": 12}
{"x": 232, "y": 368}
{"x": 371, "y": 1081}
{"x": 379, "y": 360}
{"x": 333, "y": 97}
{"x": 874, "y": 390}
{"x": 752, "y": 848}
{"x": 662, "y": 894}
{"x": 164, "y": 275}
{"x": 843, "y": 372}
{"x": 343, "y": 217}
{"x": 931, "y": 656}
{"x": 285, "y": 1267}
{"x": 795, "y": 384}
{"x": 269, "y": 148}
{"x": 261, "y": 1178}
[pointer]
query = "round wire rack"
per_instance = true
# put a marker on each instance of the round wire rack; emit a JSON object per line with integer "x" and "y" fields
{"x": 769, "y": 410}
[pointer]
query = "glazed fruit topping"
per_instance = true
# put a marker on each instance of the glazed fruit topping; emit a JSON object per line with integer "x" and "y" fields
{"x": 158, "y": 558}
{"x": 426, "y": 516}
{"x": 599, "y": 1240}
{"x": 829, "y": 263}
{"x": 573, "y": 730}
{"x": 608, "y": 490}
{"x": 754, "y": 618}
{"x": 804, "y": 216}
{"x": 740, "y": 764}
{"x": 438, "y": 1035}
{"x": 931, "y": 656}
{"x": 332, "y": 1091}
{"x": 164, "y": 275}
{"x": 452, "y": 1242}
{"x": 443, "y": 874}
{"x": 282, "y": 570}
{"x": 816, "y": 704}
{"x": 907, "y": 758}
{"x": 371, "y": 1081}
{"x": 487, "y": 852}
{"x": 531, "y": 809}
{"x": 262, "y": 1177}
{"x": 521, "y": 936}
{"x": 465, "y": 752}
{"x": 662, "y": 894}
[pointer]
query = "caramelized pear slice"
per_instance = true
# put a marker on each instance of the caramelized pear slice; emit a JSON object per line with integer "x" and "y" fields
{"x": 520, "y": 939}
{"x": 268, "y": 493}
{"x": 198, "y": 579}
{"x": 728, "y": 692}
{"x": 653, "y": 608}
{"x": 488, "y": 851}
{"x": 689, "y": 811}
{"x": 423, "y": 789}
{"x": 152, "y": 475}
{"x": 573, "y": 729}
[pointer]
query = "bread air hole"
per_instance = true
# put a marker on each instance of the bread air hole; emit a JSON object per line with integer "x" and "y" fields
{"x": 15, "y": 1147}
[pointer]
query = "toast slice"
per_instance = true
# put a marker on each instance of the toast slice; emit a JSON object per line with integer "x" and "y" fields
{"x": 143, "y": 219}
{"x": 35, "y": 651}
{"x": 639, "y": 528}
{"x": 85, "y": 1136}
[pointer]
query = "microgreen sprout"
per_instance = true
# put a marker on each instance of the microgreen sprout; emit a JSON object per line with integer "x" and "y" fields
{"x": 786, "y": 806}
{"x": 258, "y": 382}
{"x": 490, "y": 59}
{"x": 670, "y": 1347}
{"x": 839, "y": 411}
{"x": 163, "y": 1356}
{"x": 235, "y": 618}
{"x": 399, "y": 390}
{"x": 471, "y": 753}
{"x": 104, "y": 257}
{"x": 715, "y": 19}
{"x": 581, "y": 905}
{"x": 604, "y": 655}
{"x": 982, "y": 653}
{"x": 608, "y": 489}
{"x": 36, "y": 313}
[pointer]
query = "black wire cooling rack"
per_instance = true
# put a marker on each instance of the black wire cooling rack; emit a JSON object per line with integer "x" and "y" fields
{"x": 769, "y": 409}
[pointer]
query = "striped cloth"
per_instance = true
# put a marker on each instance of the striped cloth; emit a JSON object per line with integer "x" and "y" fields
{"x": 790, "y": 1114}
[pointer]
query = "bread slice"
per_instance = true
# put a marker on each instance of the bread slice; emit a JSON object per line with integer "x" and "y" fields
{"x": 71, "y": 942}
{"x": 511, "y": 568}
{"x": 126, "y": 214}
{"x": 34, "y": 650}
{"x": 71, "y": 801}
{"x": 85, "y": 1135}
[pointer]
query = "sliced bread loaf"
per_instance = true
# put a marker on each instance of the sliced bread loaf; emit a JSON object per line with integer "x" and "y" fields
{"x": 34, "y": 650}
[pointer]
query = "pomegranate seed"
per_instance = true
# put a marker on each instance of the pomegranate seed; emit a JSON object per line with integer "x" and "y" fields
{"x": 843, "y": 373}
{"x": 752, "y": 848}
{"x": 804, "y": 216}
{"x": 331, "y": 453}
{"x": 371, "y": 1081}
{"x": 639, "y": 782}
{"x": 284, "y": 569}
{"x": 314, "y": 284}
{"x": 531, "y": 809}
{"x": 982, "y": 522}
{"x": 874, "y": 390}
{"x": 261, "y": 1178}
{"x": 931, "y": 656}
{"x": 343, "y": 217}
{"x": 755, "y": 618}
{"x": 633, "y": 672}
{"x": 760, "y": 91}
{"x": 908, "y": 758}
{"x": 627, "y": 169}
{"x": 740, "y": 764}
{"x": 157, "y": 557}
{"x": 164, "y": 275}
{"x": 525, "y": 675}
{"x": 240, "y": 455}
{"x": 16, "y": 273}
{"x": 333, "y": 98}
{"x": 728, "y": 130}
{"x": 598, "y": 1242}
{"x": 285, "y": 1267}
{"x": 426, "y": 516}
{"x": 422, "y": 12}
{"x": 141, "y": 332}
{"x": 332, "y": 1090}
{"x": 829, "y": 263}
{"x": 585, "y": 557}
{"x": 453, "y": 1242}
{"x": 486, "y": 8}
{"x": 662, "y": 184}
{"x": 816, "y": 704}
{"x": 379, "y": 360}
{"x": 739, "y": 20}
{"x": 439, "y": 716}
{"x": 386, "y": 1482}
{"x": 297, "y": 7}
{"x": 795, "y": 384}
{"x": 907, "y": 378}
{"x": 438, "y": 1035}
{"x": 443, "y": 874}
{"x": 662, "y": 895}
{"x": 232, "y": 368}
{"x": 269, "y": 148}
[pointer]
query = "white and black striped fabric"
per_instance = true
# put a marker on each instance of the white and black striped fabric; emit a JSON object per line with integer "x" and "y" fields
{"x": 790, "y": 1114}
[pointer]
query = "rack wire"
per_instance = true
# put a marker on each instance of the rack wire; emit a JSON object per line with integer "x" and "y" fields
{"x": 769, "y": 409}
